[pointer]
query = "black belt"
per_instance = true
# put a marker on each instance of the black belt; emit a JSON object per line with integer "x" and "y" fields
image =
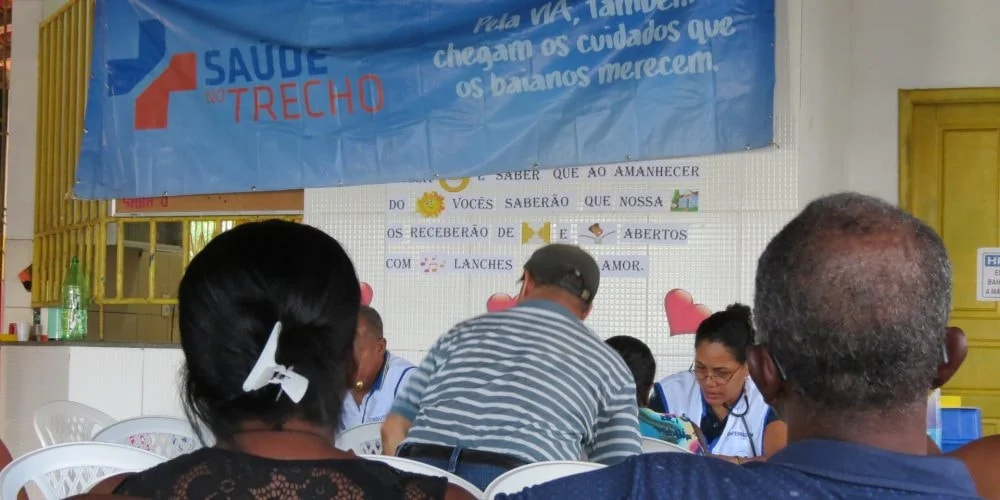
{"x": 466, "y": 455}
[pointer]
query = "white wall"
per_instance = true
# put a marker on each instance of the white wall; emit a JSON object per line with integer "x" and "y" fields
{"x": 908, "y": 44}
{"x": 21, "y": 157}
{"x": 122, "y": 382}
{"x": 823, "y": 74}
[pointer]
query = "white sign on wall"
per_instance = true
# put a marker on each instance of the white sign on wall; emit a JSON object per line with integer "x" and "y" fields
{"x": 988, "y": 275}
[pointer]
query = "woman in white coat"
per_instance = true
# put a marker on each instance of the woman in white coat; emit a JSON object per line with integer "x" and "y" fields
{"x": 718, "y": 394}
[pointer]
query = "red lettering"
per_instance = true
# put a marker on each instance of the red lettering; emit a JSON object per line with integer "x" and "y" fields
{"x": 259, "y": 105}
{"x": 238, "y": 93}
{"x": 334, "y": 95}
{"x": 305, "y": 99}
{"x": 287, "y": 100}
{"x": 379, "y": 97}
{"x": 137, "y": 202}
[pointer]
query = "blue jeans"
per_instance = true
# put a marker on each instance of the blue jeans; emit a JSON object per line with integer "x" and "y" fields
{"x": 479, "y": 475}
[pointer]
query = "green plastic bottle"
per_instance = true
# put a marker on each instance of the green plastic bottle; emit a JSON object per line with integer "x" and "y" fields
{"x": 74, "y": 303}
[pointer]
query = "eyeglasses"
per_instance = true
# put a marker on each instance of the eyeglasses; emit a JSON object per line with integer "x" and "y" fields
{"x": 718, "y": 377}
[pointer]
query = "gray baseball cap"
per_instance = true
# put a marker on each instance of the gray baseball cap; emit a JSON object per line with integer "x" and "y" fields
{"x": 568, "y": 267}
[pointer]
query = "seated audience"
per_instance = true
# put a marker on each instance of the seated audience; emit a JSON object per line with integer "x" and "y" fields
{"x": 379, "y": 377}
{"x": 719, "y": 395}
{"x": 851, "y": 303}
{"x": 670, "y": 428}
{"x": 267, "y": 316}
{"x": 528, "y": 384}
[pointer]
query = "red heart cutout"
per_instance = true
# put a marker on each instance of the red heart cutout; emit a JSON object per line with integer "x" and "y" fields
{"x": 500, "y": 301}
{"x": 366, "y": 294}
{"x": 683, "y": 315}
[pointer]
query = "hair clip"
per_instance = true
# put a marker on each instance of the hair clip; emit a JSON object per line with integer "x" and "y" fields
{"x": 268, "y": 371}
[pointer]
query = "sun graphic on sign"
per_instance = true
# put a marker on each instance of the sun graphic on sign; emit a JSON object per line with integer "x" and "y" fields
{"x": 431, "y": 204}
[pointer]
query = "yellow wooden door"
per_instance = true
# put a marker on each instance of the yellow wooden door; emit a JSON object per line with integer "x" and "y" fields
{"x": 950, "y": 178}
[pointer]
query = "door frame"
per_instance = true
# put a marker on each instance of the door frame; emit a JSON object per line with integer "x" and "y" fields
{"x": 910, "y": 98}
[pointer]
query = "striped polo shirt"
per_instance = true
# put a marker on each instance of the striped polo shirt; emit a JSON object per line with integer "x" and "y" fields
{"x": 531, "y": 382}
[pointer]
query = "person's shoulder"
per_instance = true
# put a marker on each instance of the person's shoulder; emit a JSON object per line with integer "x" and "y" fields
{"x": 523, "y": 316}
{"x": 164, "y": 474}
{"x": 399, "y": 363}
{"x": 655, "y": 476}
{"x": 694, "y": 476}
{"x": 394, "y": 479}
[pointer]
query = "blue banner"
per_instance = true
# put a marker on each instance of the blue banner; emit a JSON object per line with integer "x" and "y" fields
{"x": 216, "y": 96}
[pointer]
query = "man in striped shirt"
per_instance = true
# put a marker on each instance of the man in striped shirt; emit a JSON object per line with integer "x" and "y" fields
{"x": 525, "y": 385}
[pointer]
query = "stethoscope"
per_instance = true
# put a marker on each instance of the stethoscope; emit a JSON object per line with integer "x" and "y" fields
{"x": 742, "y": 417}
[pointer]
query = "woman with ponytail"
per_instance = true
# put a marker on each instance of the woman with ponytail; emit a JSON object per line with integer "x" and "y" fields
{"x": 718, "y": 394}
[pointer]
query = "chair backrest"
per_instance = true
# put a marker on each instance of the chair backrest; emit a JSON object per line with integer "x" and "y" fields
{"x": 650, "y": 445}
{"x": 534, "y": 474}
{"x": 60, "y": 422}
{"x": 64, "y": 470}
{"x": 166, "y": 436}
{"x": 407, "y": 465}
{"x": 364, "y": 439}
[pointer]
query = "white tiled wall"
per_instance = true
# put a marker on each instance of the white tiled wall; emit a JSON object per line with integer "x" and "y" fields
{"x": 122, "y": 382}
{"x": 744, "y": 198}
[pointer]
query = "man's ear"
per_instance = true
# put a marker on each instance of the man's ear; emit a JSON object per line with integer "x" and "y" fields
{"x": 764, "y": 372}
{"x": 527, "y": 286}
{"x": 586, "y": 312}
{"x": 953, "y": 353}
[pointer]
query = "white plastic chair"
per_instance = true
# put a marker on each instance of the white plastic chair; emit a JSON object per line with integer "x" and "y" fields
{"x": 407, "y": 465}
{"x": 166, "y": 436}
{"x": 61, "y": 422}
{"x": 364, "y": 439}
{"x": 534, "y": 474}
{"x": 64, "y": 470}
{"x": 650, "y": 445}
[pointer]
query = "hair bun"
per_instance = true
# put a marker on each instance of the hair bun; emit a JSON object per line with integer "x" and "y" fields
{"x": 743, "y": 313}
{"x": 740, "y": 310}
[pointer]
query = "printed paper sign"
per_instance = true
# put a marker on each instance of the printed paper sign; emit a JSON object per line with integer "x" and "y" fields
{"x": 653, "y": 234}
{"x": 597, "y": 233}
{"x": 436, "y": 264}
{"x": 624, "y": 266}
{"x": 988, "y": 278}
{"x": 449, "y": 233}
{"x": 433, "y": 264}
{"x": 483, "y": 264}
{"x": 401, "y": 264}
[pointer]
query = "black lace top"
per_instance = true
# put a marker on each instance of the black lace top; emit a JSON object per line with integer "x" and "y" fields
{"x": 214, "y": 473}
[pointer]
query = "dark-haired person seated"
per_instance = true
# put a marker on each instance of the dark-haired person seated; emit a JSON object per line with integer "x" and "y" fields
{"x": 267, "y": 316}
{"x": 673, "y": 429}
{"x": 718, "y": 393}
{"x": 379, "y": 376}
{"x": 851, "y": 302}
